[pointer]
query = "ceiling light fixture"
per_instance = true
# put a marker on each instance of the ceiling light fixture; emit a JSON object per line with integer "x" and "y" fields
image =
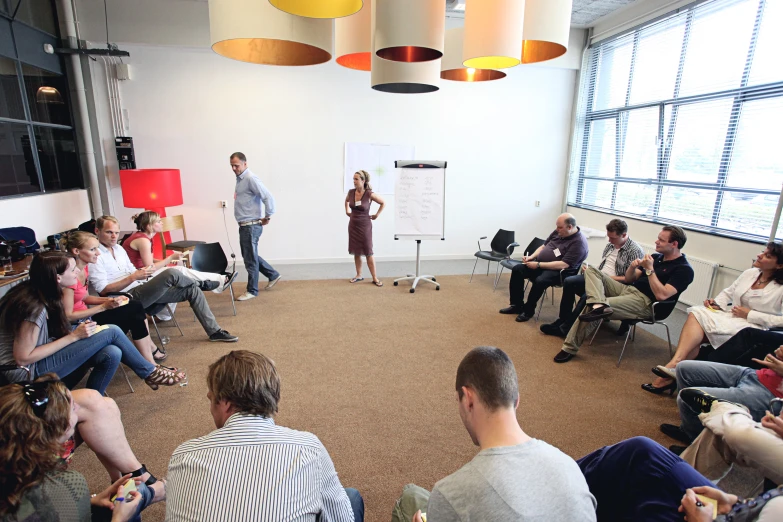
{"x": 318, "y": 8}
{"x": 547, "y": 26}
{"x": 47, "y": 94}
{"x": 493, "y": 33}
{"x": 451, "y": 65}
{"x": 353, "y": 39}
{"x": 256, "y": 32}
{"x": 409, "y": 30}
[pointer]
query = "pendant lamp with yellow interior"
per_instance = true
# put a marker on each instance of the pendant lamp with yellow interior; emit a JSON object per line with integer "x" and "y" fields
{"x": 256, "y": 32}
{"x": 409, "y": 30}
{"x": 451, "y": 67}
{"x": 318, "y": 8}
{"x": 402, "y": 77}
{"x": 547, "y": 26}
{"x": 353, "y": 39}
{"x": 493, "y": 33}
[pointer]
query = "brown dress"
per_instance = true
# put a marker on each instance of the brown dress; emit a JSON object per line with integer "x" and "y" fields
{"x": 360, "y": 225}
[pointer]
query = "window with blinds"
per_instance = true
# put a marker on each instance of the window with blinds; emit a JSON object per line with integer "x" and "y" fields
{"x": 680, "y": 121}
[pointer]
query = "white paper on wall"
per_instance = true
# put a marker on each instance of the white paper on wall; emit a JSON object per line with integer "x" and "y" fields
{"x": 378, "y": 161}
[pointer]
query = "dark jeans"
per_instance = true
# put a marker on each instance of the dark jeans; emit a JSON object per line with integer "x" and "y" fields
{"x": 102, "y": 352}
{"x": 638, "y": 479}
{"x": 129, "y": 317}
{"x": 101, "y": 514}
{"x": 744, "y": 346}
{"x": 540, "y": 280}
{"x": 248, "y": 245}
{"x": 172, "y": 286}
{"x": 357, "y": 504}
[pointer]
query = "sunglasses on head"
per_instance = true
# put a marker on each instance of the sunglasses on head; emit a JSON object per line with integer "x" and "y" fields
{"x": 37, "y": 394}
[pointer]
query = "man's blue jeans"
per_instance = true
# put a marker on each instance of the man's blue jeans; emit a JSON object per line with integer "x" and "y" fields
{"x": 724, "y": 381}
{"x": 102, "y": 352}
{"x": 357, "y": 504}
{"x": 248, "y": 245}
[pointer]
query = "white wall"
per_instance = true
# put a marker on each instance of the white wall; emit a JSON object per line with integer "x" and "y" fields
{"x": 633, "y": 14}
{"x": 506, "y": 144}
{"x": 46, "y": 214}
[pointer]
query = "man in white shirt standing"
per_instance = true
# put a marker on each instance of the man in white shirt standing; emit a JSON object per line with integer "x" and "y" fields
{"x": 618, "y": 255}
{"x": 250, "y": 469}
{"x": 114, "y": 272}
{"x": 249, "y": 195}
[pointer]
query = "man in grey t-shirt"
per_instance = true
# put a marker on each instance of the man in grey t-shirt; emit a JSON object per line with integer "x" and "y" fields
{"x": 514, "y": 476}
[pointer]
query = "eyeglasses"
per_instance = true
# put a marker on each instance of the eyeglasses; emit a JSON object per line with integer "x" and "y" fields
{"x": 37, "y": 394}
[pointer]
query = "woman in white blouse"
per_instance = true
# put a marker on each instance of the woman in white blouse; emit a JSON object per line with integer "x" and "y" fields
{"x": 754, "y": 300}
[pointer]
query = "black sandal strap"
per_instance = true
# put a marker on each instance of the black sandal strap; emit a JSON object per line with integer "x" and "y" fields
{"x": 141, "y": 471}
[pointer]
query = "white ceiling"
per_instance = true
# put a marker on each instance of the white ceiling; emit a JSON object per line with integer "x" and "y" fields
{"x": 583, "y": 12}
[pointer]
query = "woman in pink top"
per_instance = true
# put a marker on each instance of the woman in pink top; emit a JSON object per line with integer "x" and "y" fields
{"x": 105, "y": 310}
{"x": 139, "y": 248}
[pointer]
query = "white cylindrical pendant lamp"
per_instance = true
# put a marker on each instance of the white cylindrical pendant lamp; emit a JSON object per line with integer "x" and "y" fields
{"x": 318, "y": 8}
{"x": 410, "y": 30}
{"x": 256, "y": 32}
{"x": 451, "y": 67}
{"x": 405, "y": 78}
{"x": 493, "y": 33}
{"x": 353, "y": 39}
{"x": 402, "y": 77}
{"x": 547, "y": 26}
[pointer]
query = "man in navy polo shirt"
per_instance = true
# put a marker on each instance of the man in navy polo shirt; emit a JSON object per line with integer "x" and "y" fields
{"x": 657, "y": 277}
{"x": 565, "y": 248}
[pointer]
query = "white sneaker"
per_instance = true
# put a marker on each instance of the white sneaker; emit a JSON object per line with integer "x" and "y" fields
{"x": 273, "y": 282}
{"x": 246, "y": 297}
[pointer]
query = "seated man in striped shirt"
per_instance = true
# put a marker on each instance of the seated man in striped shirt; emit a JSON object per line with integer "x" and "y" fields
{"x": 250, "y": 469}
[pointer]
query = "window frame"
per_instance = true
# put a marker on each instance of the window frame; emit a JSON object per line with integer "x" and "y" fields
{"x": 665, "y": 140}
{"x": 28, "y": 121}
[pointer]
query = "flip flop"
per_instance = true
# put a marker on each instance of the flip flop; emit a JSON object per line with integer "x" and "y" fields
{"x": 378, "y": 283}
{"x": 356, "y": 279}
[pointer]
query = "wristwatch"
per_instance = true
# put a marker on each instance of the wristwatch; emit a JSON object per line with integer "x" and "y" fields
{"x": 648, "y": 272}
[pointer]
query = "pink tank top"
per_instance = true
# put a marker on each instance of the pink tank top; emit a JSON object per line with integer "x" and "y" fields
{"x": 134, "y": 255}
{"x": 79, "y": 293}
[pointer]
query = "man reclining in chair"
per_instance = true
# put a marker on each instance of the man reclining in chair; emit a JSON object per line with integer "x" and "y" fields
{"x": 114, "y": 272}
{"x": 658, "y": 277}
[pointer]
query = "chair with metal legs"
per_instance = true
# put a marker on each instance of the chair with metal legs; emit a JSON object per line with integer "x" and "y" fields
{"x": 154, "y": 309}
{"x": 565, "y": 272}
{"x": 659, "y": 311}
{"x": 210, "y": 257}
{"x": 498, "y": 251}
{"x": 509, "y": 263}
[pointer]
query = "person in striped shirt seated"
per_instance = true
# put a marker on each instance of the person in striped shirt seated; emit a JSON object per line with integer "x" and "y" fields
{"x": 250, "y": 469}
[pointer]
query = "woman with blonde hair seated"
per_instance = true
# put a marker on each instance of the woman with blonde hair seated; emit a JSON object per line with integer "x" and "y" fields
{"x": 754, "y": 300}
{"x": 139, "y": 248}
{"x": 128, "y": 315}
{"x": 39, "y": 418}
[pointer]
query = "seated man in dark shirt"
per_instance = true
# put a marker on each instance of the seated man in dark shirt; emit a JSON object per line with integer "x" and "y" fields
{"x": 658, "y": 277}
{"x": 565, "y": 248}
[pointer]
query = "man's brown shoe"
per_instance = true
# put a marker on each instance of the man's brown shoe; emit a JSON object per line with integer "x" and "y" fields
{"x": 596, "y": 314}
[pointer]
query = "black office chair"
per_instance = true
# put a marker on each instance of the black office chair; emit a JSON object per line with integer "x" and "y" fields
{"x": 498, "y": 252}
{"x": 659, "y": 311}
{"x": 564, "y": 273}
{"x": 209, "y": 257}
{"x": 509, "y": 263}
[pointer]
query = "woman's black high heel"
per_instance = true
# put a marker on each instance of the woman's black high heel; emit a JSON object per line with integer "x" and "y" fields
{"x": 671, "y": 387}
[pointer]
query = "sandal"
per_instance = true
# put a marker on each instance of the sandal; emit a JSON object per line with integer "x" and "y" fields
{"x": 378, "y": 283}
{"x": 165, "y": 376}
{"x": 162, "y": 352}
{"x": 356, "y": 279}
{"x": 141, "y": 471}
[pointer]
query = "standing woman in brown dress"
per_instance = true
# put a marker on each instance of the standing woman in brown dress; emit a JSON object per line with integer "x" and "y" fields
{"x": 357, "y": 208}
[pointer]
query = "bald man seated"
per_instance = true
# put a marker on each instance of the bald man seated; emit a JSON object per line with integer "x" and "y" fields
{"x": 564, "y": 249}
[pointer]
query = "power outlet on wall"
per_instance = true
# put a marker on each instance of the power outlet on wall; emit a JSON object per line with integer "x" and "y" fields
{"x": 223, "y": 203}
{"x": 538, "y": 203}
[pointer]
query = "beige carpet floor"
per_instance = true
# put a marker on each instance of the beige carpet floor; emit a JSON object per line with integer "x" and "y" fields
{"x": 371, "y": 372}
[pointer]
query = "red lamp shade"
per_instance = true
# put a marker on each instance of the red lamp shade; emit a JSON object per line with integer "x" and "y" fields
{"x": 151, "y": 188}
